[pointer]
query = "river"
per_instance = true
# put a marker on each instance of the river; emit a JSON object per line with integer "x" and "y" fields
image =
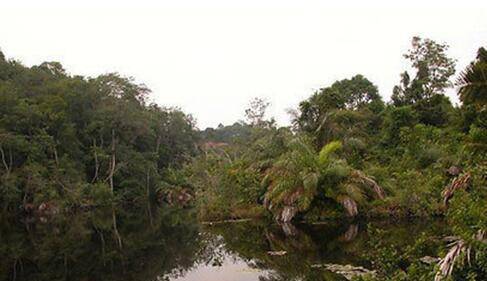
{"x": 169, "y": 245}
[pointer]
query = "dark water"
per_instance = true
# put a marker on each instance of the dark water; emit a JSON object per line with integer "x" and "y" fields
{"x": 170, "y": 245}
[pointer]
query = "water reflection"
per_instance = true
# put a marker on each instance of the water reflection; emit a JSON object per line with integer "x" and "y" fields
{"x": 170, "y": 245}
{"x": 85, "y": 247}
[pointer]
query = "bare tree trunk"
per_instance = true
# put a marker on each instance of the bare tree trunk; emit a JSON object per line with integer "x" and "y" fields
{"x": 147, "y": 183}
{"x": 149, "y": 211}
{"x": 97, "y": 163}
{"x": 56, "y": 159}
{"x": 65, "y": 265}
{"x": 14, "y": 277}
{"x": 115, "y": 229}
{"x": 24, "y": 198}
{"x": 21, "y": 266}
{"x": 113, "y": 162}
{"x": 7, "y": 167}
{"x": 11, "y": 161}
{"x": 101, "y": 141}
{"x": 158, "y": 143}
{"x": 102, "y": 247}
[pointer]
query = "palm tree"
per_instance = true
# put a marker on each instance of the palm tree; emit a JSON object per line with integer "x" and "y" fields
{"x": 300, "y": 174}
{"x": 473, "y": 81}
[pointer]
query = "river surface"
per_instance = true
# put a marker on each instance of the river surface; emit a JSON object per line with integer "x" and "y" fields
{"x": 170, "y": 246}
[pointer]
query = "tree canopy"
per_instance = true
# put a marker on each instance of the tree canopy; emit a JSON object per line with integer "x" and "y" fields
{"x": 69, "y": 137}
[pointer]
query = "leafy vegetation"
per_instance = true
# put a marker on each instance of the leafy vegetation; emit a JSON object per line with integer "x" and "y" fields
{"x": 350, "y": 154}
{"x": 72, "y": 141}
{"x": 69, "y": 142}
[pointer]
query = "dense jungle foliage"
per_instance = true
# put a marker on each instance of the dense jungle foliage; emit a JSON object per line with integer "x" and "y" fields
{"x": 70, "y": 143}
{"x": 349, "y": 153}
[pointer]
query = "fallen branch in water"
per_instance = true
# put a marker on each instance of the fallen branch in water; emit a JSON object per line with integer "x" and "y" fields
{"x": 276, "y": 253}
{"x": 224, "y": 221}
{"x": 348, "y": 271}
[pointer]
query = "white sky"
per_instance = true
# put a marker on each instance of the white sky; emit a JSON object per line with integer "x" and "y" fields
{"x": 211, "y": 57}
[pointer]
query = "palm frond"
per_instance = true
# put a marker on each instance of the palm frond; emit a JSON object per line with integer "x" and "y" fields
{"x": 448, "y": 262}
{"x": 327, "y": 150}
{"x": 349, "y": 204}
{"x": 354, "y": 192}
{"x": 457, "y": 248}
{"x": 360, "y": 177}
{"x": 460, "y": 182}
{"x": 473, "y": 83}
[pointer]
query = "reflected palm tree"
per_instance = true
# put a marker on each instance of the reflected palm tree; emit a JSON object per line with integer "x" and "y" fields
{"x": 83, "y": 247}
{"x": 350, "y": 234}
{"x": 304, "y": 247}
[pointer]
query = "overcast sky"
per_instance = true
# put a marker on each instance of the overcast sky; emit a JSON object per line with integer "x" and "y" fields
{"x": 211, "y": 57}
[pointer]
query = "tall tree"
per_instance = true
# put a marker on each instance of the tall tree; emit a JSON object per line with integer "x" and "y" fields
{"x": 255, "y": 113}
{"x": 433, "y": 71}
{"x": 425, "y": 92}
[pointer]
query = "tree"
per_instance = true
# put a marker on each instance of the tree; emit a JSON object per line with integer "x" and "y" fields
{"x": 66, "y": 138}
{"x": 237, "y": 132}
{"x": 473, "y": 81}
{"x": 348, "y": 107}
{"x": 472, "y": 91}
{"x": 356, "y": 93}
{"x": 433, "y": 71}
{"x": 395, "y": 119}
{"x": 351, "y": 94}
{"x": 255, "y": 113}
{"x": 425, "y": 92}
{"x": 299, "y": 175}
